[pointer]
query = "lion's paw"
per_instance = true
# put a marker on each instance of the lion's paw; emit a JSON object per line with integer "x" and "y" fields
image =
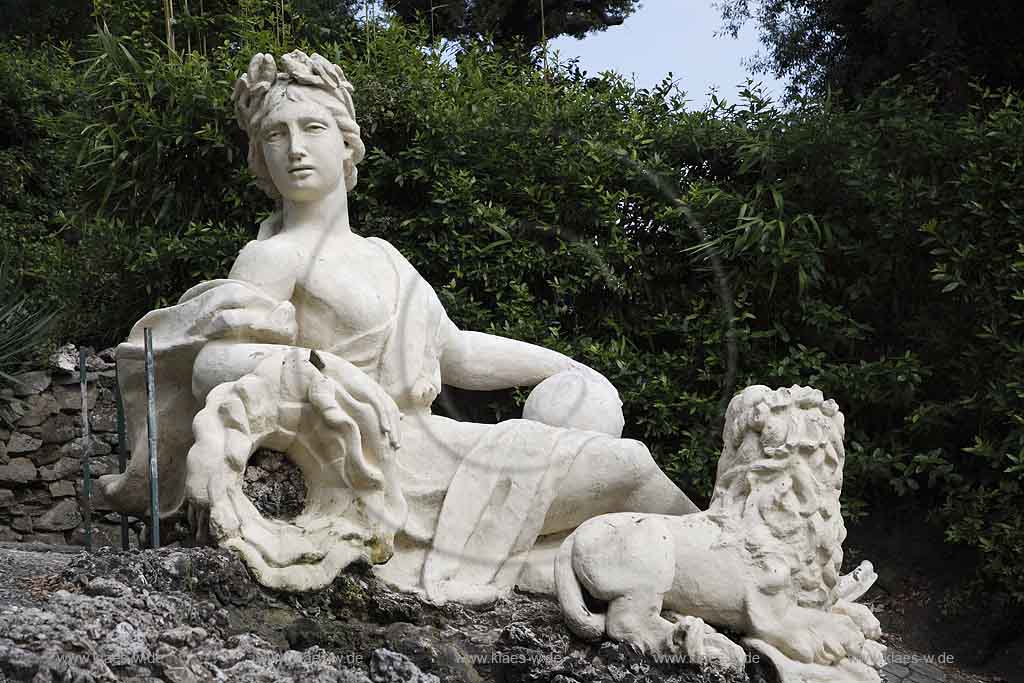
{"x": 872, "y": 653}
{"x": 704, "y": 645}
{"x": 817, "y": 637}
{"x": 862, "y": 616}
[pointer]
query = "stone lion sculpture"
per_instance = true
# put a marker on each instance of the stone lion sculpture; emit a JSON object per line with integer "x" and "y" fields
{"x": 762, "y": 561}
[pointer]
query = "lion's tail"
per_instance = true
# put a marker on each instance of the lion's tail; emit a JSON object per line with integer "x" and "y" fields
{"x": 578, "y": 617}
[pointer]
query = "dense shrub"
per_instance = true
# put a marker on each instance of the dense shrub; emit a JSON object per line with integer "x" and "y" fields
{"x": 37, "y": 189}
{"x": 873, "y": 253}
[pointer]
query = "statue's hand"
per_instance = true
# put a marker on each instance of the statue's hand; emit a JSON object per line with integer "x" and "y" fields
{"x": 277, "y": 326}
{"x": 363, "y": 389}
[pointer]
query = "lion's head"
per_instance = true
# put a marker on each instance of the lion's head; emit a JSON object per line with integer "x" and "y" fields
{"x": 779, "y": 480}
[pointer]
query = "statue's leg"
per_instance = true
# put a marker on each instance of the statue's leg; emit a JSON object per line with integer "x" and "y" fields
{"x": 613, "y": 475}
{"x": 636, "y": 618}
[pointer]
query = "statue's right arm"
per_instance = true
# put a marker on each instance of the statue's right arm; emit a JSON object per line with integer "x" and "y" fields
{"x": 271, "y": 266}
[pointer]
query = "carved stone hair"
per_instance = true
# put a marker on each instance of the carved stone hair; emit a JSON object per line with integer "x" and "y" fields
{"x": 265, "y": 86}
{"x": 763, "y": 426}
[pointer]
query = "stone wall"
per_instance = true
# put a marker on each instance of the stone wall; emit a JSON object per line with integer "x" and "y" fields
{"x": 41, "y": 487}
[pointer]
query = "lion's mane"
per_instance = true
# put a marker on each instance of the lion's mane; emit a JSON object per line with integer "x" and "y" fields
{"x": 778, "y": 484}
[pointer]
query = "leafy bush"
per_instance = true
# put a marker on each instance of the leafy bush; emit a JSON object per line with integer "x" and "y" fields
{"x": 23, "y": 330}
{"x": 874, "y": 253}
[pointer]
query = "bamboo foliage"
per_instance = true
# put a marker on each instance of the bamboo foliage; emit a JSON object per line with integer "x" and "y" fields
{"x": 169, "y": 24}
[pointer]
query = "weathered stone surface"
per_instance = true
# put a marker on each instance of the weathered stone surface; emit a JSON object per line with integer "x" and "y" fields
{"x": 3, "y": 453}
{"x": 182, "y": 636}
{"x": 112, "y": 588}
{"x": 34, "y": 498}
{"x": 274, "y": 485}
{"x": 52, "y": 538}
{"x": 103, "y": 535}
{"x": 60, "y": 428}
{"x": 78, "y": 447}
{"x": 159, "y": 615}
{"x": 125, "y": 630}
{"x": 115, "y": 518}
{"x": 74, "y": 379}
{"x": 62, "y": 489}
{"x": 6, "y": 497}
{"x": 391, "y": 667}
{"x": 47, "y": 455}
{"x": 71, "y": 467}
{"x": 9, "y": 535}
{"x": 29, "y": 383}
{"x": 22, "y": 524}
{"x": 14, "y": 408}
{"x": 39, "y": 407}
{"x": 18, "y": 471}
{"x": 104, "y": 417}
{"x": 63, "y": 516}
{"x": 65, "y": 359}
{"x": 69, "y": 397}
{"x": 22, "y": 443}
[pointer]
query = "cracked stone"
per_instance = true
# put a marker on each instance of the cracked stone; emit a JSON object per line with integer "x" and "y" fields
{"x": 22, "y": 443}
{"x": 69, "y": 398}
{"x": 30, "y": 383}
{"x": 63, "y": 516}
{"x": 18, "y": 471}
{"x": 62, "y": 489}
{"x": 39, "y": 407}
{"x": 60, "y": 428}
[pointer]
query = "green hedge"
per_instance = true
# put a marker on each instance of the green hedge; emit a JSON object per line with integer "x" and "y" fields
{"x": 874, "y": 253}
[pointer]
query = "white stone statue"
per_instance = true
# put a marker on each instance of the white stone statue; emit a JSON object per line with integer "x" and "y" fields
{"x": 763, "y": 560}
{"x": 331, "y": 347}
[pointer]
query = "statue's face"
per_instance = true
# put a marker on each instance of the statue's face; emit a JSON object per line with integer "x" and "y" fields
{"x": 304, "y": 150}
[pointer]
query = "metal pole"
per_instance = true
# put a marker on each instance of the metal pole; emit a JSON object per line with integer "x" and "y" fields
{"x": 122, "y": 455}
{"x": 86, "y": 451}
{"x": 154, "y": 492}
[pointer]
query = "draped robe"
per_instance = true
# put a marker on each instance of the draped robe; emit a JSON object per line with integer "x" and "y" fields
{"x": 473, "y": 498}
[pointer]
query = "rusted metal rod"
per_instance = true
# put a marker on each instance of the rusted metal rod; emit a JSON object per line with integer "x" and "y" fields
{"x": 83, "y": 383}
{"x": 122, "y": 454}
{"x": 154, "y": 489}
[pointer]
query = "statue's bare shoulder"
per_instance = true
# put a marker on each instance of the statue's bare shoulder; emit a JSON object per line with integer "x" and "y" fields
{"x": 397, "y": 257}
{"x": 272, "y": 264}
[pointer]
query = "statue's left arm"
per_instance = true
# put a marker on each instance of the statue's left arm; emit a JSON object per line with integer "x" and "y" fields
{"x": 485, "y": 362}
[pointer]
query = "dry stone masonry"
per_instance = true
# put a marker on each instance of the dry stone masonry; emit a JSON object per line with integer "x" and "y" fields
{"x": 41, "y": 453}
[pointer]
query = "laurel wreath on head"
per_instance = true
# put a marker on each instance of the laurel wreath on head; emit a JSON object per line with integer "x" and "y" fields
{"x": 252, "y": 87}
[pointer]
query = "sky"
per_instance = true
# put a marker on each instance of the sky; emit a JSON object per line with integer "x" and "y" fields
{"x": 672, "y": 35}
